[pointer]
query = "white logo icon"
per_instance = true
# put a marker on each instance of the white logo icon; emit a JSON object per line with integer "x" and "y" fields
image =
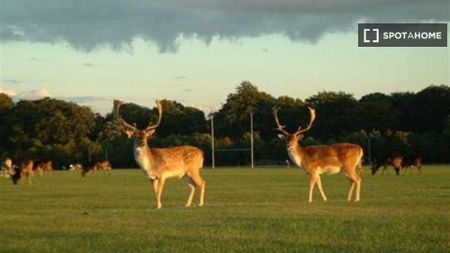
{"x": 377, "y": 37}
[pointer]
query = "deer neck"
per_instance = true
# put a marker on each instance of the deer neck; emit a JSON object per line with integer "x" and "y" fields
{"x": 144, "y": 158}
{"x": 295, "y": 153}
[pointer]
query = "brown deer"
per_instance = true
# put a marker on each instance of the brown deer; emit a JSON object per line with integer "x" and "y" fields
{"x": 395, "y": 161}
{"x": 43, "y": 166}
{"x": 409, "y": 162}
{"x": 160, "y": 164}
{"x": 103, "y": 165}
{"x": 6, "y": 168}
{"x": 75, "y": 167}
{"x": 24, "y": 170}
{"x": 323, "y": 159}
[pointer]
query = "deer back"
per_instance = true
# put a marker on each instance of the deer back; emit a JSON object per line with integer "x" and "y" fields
{"x": 341, "y": 155}
{"x": 187, "y": 158}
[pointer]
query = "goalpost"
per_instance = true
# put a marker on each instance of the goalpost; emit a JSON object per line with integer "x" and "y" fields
{"x": 214, "y": 150}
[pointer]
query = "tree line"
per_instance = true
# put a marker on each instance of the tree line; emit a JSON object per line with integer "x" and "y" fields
{"x": 402, "y": 123}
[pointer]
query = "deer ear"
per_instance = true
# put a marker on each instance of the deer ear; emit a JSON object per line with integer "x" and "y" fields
{"x": 150, "y": 132}
{"x": 129, "y": 133}
{"x": 281, "y": 136}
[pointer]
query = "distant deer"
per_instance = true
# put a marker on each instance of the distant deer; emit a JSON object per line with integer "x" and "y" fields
{"x": 75, "y": 167}
{"x": 160, "y": 164}
{"x": 25, "y": 169}
{"x": 395, "y": 161}
{"x": 6, "y": 167}
{"x": 411, "y": 162}
{"x": 103, "y": 165}
{"x": 323, "y": 159}
{"x": 43, "y": 166}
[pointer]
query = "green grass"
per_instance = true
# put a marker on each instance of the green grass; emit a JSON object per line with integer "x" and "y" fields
{"x": 262, "y": 210}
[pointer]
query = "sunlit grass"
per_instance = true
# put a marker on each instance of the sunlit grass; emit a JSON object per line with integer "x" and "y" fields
{"x": 260, "y": 210}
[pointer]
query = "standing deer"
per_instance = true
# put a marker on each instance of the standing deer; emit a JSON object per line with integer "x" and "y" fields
{"x": 323, "y": 159}
{"x": 6, "y": 167}
{"x": 24, "y": 170}
{"x": 160, "y": 164}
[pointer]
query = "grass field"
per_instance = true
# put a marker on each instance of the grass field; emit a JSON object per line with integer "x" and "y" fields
{"x": 261, "y": 210}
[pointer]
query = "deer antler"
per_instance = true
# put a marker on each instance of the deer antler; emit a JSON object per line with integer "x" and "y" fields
{"x": 312, "y": 113}
{"x": 117, "y": 105}
{"x": 160, "y": 113}
{"x": 280, "y": 127}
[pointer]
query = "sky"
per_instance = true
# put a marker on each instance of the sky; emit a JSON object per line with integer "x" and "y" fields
{"x": 197, "y": 51}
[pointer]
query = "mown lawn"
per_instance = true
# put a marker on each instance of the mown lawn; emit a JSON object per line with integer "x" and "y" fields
{"x": 260, "y": 210}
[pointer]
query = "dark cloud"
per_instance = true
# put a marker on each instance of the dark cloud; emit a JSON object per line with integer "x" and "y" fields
{"x": 88, "y": 64}
{"x": 13, "y": 81}
{"x": 37, "y": 59}
{"x": 86, "y": 99}
{"x": 187, "y": 90}
{"x": 87, "y": 24}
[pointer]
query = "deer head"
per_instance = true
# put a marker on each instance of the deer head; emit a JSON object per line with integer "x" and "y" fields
{"x": 297, "y": 135}
{"x": 139, "y": 136}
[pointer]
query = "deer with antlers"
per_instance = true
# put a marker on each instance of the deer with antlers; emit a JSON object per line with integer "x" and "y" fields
{"x": 160, "y": 164}
{"x": 323, "y": 159}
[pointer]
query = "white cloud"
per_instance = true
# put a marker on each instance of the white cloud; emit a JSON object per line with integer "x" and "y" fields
{"x": 9, "y": 92}
{"x": 32, "y": 94}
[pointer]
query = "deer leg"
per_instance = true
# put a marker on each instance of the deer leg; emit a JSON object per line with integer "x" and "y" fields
{"x": 319, "y": 184}
{"x": 355, "y": 180}
{"x": 358, "y": 189}
{"x": 159, "y": 192}
{"x": 312, "y": 183}
{"x": 350, "y": 190}
{"x": 191, "y": 184}
{"x": 201, "y": 183}
{"x": 155, "y": 187}
{"x": 385, "y": 170}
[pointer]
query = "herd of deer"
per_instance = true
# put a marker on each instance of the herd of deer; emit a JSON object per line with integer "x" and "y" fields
{"x": 29, "y": 167}
{"x": 399, "y": 163}
{"x": 25, "y": 169}
{"x": 160, "y": 164}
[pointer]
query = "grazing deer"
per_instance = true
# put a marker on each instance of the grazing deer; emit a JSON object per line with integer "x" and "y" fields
{"x": 160, "y": 164}
{"x": 103, "y": 165}
{"x": 409, "y": 162}
{"x": 395, "y": 161}
{"x": 323, "y": 159}
{"x": 43, "y": 166}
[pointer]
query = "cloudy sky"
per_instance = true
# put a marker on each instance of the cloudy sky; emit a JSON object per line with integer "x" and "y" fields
{"x": 198, "y": 51}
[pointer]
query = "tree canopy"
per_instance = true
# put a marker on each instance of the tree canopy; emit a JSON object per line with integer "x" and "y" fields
{"x": 398, "y": 123}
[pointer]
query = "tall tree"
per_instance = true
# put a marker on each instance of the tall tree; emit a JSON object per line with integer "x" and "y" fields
{"x": 376, "y": 111}
{"x": 429, "y": 108}
{"x": 334, "y": 111}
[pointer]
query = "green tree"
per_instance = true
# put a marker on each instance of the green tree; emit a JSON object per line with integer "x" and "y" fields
{"x": 334, "y": 114}
{"x": 429, "y": 108}
{"x": 376, "y": 111}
